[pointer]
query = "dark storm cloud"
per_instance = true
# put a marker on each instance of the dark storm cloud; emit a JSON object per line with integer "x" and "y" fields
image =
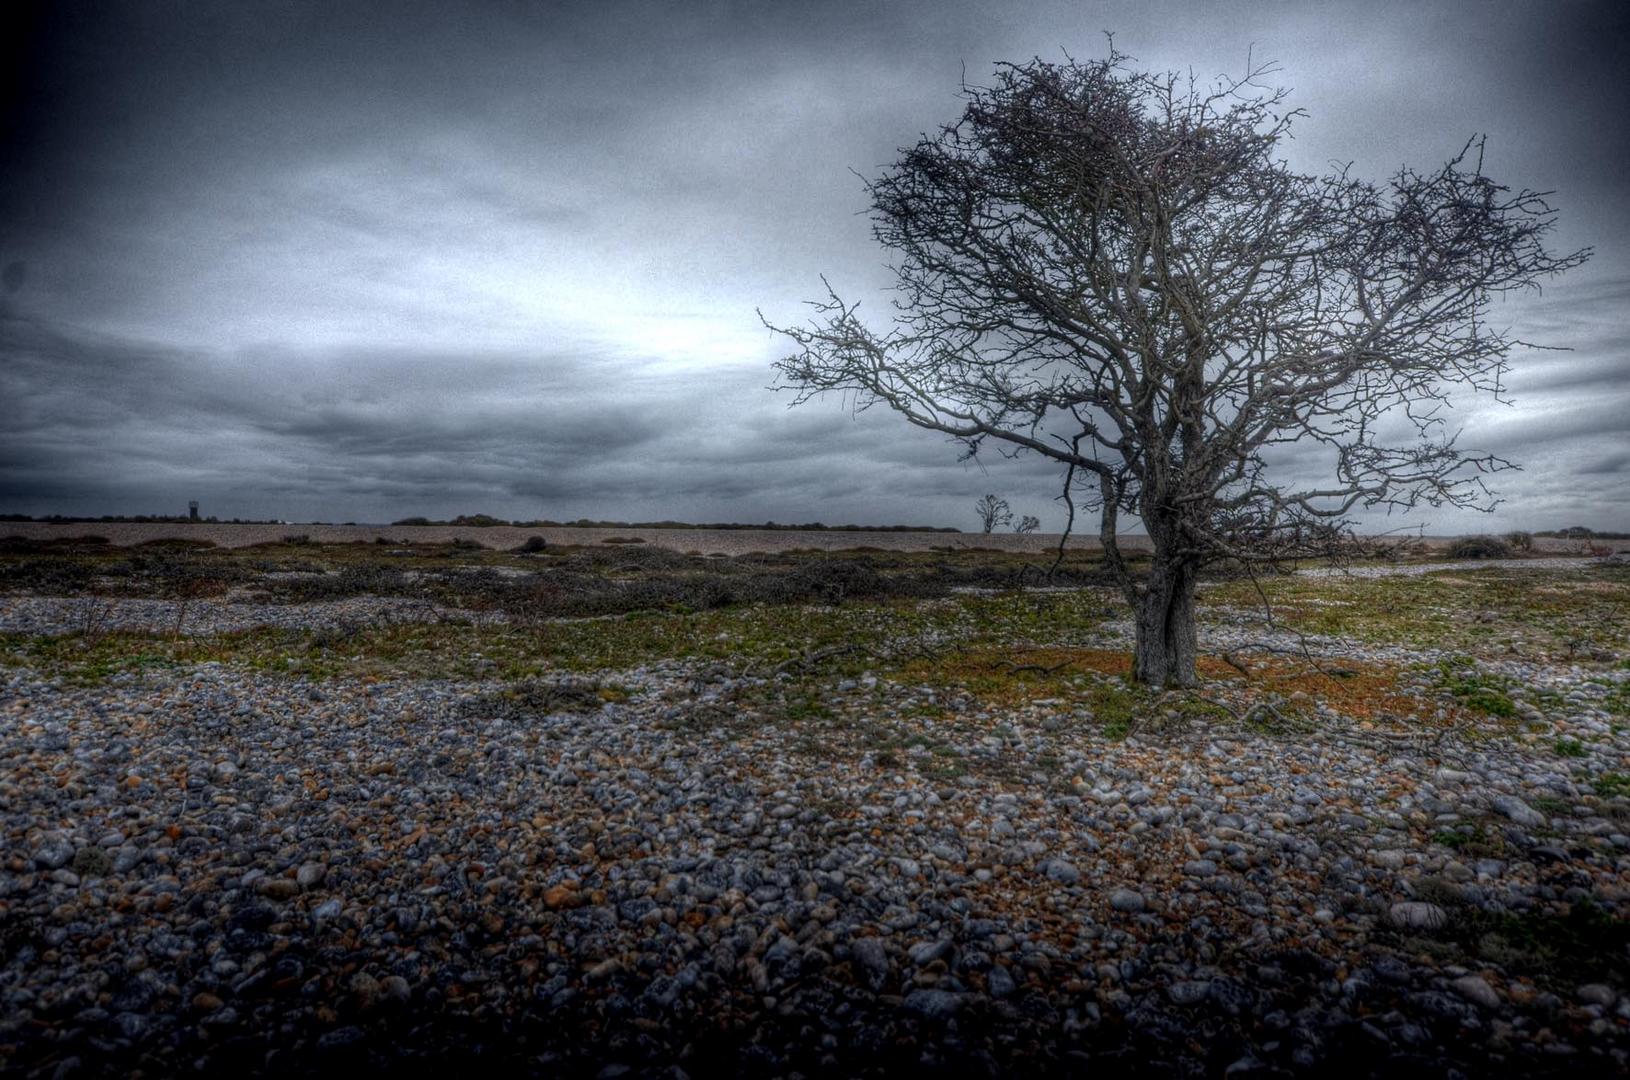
{"x": 97, "y": 418}
{"x": 364, "y": 261}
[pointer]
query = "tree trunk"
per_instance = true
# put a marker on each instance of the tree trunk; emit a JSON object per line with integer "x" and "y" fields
{"x": 1165, "y": 651}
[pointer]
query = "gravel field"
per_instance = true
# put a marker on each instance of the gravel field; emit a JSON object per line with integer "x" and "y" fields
{"x": 647, "y": 872}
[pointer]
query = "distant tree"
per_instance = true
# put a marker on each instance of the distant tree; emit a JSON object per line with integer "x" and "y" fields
{"x": 1112, "y": 269}
{"x": 992, "y": 512}
{"x": 1027, "y": 524}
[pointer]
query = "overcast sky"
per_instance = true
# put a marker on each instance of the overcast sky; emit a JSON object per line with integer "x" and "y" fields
{"x": 355, "y": 262}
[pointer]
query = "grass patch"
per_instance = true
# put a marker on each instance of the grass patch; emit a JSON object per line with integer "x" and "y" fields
{"x": 1474, "y": 690}
{"x": 1569, "y": 748}
{"x": 1564, "y": 613}
{"x": 1612, "y": 785}
{"x": 852, "y": 638}
{"x": 1561, "y": 951}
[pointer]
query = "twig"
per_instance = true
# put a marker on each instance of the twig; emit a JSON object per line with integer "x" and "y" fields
{"x": 1014, "y": 669}
{"x": 1069, "y": 522}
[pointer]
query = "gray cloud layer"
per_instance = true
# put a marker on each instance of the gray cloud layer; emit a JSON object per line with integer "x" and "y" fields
{"x": 359, "y": 262}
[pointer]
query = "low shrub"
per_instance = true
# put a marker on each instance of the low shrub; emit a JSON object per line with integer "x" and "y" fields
{"x": 176, "y": 543}
{"x": 531, "y": 546}
{"x": 1479, "y": 547}
{"x": 1520, "y": 540}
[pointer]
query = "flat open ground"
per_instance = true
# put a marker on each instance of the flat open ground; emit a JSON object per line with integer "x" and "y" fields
{"x": 702, "y": 541}
{"x": 619, "y": 810}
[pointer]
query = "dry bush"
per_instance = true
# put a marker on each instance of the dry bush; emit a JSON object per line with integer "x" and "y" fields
{"x": 1479, "y": 547}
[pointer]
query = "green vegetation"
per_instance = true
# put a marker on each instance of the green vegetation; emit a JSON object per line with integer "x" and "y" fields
{"x": 1486, "y": 694}
{"x": 1612, "y": 785}
{"x": 950, "y": 622}
{"x": 835, "y": 640}
{"x": 1572, "y": 614}
{"x": 1479, "y": 547}
{"x": 1559, "y": 951}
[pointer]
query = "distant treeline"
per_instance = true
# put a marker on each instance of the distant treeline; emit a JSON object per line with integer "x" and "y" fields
{"x": 1579, "y": 532}
{"x": 139, "y": 519}
{"x": 481, "y": 521}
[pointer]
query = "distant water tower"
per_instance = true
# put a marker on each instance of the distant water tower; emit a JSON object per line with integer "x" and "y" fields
{"x": 192, "y": 509}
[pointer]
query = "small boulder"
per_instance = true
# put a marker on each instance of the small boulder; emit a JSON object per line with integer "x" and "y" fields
{"x": 1518, "y": 811}
{"x": 1418, "y": 915}
{"x": 1475, "y": 988}
{"x": 1127, "y": 900}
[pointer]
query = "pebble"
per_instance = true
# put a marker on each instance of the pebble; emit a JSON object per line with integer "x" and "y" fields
{"x": 1475, "y": 988}
{"x": 1598, "y": 994}
{"x": 1417, "y": 915}
{"x": 1127, "y": 900}
{"x": 1519, "y": 811}
{"x": 283, "y": 853}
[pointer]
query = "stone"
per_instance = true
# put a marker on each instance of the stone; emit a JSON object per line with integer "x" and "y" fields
{"x": 1188, "y": 991}
{"x": 1475, "y": 988}
{"x": 1062, "y": 872}
{"x": 1598, "y": 994}
{"x": 1126, "y": 900}
{"x": 278, "y": 888}
{"x": 926, "y": 952}
{"x": 933, "y": 1004}
{"x": 873, "y": 961}
{"x": 1418, "y": 915}
{"x": 311, "y": 874}
{"x": 53, "y": 853}
{"x": 1518, "y": 811}
{"x": 999, "y": 982}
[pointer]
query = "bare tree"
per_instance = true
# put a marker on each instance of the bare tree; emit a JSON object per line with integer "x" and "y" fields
{"x": 992, "y": 512}
{"x": 1111, "y": 268}
{"x": 1027, "y": 524}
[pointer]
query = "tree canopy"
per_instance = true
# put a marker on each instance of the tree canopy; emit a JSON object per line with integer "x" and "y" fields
{"x": 1116, "y": 270}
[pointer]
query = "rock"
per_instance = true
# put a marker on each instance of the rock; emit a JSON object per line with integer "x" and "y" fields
{"x": 1598, "y": 994}
{"x": 311, "y": 874}
{"x": 340, "y": 1039}
{"x": 1417, "y": 915}
{"x": 1127, "y": 900}
{"x": 1062, "y": 872}
{"x": 873, "y": 961}
{"x": 1476, "y": 990}
{"x": 396, "y": 989}
{"x": 1518, "y": 811}
{"x": 926, "y": 952}
{"x": 1388, "y": 860}
{"x": 364, "y": 989}
{"x": 933, "y": 1004}
{"x": 999, "y": 982}
{"x": 53, "y": 853}
{"x": 278, "y": 888}
{"x": 557, "y": 897}
{"x": 1188, "y": 992}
